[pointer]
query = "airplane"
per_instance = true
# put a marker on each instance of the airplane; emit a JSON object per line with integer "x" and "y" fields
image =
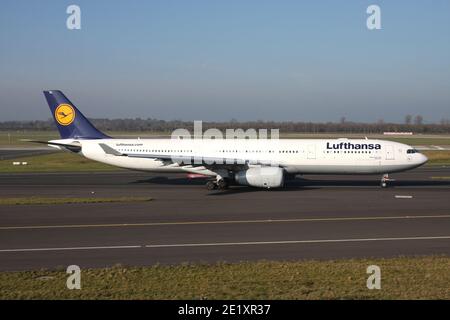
{"x": 250, "y": 162}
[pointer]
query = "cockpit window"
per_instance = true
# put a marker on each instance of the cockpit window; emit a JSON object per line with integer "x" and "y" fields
{"x": 412, "y": 151}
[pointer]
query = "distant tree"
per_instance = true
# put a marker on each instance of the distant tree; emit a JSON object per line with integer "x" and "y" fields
{"x": 418, "y": 120}
{"x": 343, "y": 120}
{"x": 166, "y": 126}
{"x": 408, "y": 119}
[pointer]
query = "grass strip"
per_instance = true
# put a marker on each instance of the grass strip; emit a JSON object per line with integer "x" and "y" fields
{"x": 47, "y": 201}
{"x": 54, "y": 162}
{"x": 401, "y": 278}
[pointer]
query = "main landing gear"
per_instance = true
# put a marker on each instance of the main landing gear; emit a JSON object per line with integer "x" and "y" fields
{"x": 220, "y": 184}
{"x": 385, "y": 180}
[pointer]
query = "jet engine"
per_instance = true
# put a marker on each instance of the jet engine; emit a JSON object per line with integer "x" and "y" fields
{"x": 261, "y": 177}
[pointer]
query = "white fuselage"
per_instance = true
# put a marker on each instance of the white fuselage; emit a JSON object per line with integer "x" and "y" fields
{"x": 296, "y": 156}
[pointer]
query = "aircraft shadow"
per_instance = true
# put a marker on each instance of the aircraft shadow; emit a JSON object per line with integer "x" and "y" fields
{"x": 291, "y": 185}
{"x": 181, "y": 181}
{"x": 369, "y": 183}
{"x": 303, "y": 185}
{"x": 171, "y": 181}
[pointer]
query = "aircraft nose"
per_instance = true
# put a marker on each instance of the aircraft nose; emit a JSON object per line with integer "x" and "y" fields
{"x": 422, "y": 159}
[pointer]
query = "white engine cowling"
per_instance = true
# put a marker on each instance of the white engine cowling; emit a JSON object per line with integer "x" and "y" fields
{"x": 265, "y": 177}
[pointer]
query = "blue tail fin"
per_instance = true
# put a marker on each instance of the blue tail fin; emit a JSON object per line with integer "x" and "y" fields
{"x": 70, "y": 121}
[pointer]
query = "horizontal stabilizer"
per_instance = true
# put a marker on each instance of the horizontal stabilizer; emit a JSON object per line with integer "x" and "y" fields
{"x": 70, "y": 147}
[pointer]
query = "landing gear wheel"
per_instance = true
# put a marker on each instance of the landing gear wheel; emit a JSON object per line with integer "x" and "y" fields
{"x": 211, "y": 185}
{"x": 222, "y": 184}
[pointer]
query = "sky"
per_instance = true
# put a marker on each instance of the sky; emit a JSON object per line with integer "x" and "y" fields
{"x": 236, "y": 59}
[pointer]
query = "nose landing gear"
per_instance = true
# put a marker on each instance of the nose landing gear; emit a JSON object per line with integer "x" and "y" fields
{"x": 385, "y": 180}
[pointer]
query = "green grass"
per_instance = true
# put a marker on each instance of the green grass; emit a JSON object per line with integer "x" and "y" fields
{"x": 401, "y": 278}
{"x": 420, "y": 141}
{"x": 437, "y": 157}
{"x": 409, "y": 140}
{"x": 54, "y": 162}
{"x": 13, "y": 138}
{"x": 44, "y": 200}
